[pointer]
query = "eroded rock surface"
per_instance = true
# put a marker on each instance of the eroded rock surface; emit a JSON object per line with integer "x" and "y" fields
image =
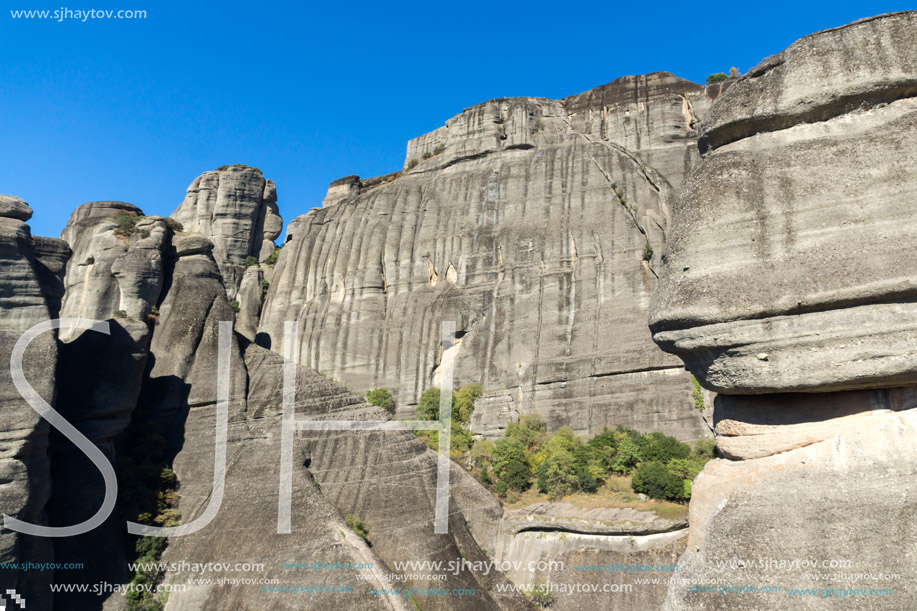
{"x": 788, "y": 269}
{"x": 536, "y": 225}
{"x": 25, "y": 482}
{"x": 236, "y": 209}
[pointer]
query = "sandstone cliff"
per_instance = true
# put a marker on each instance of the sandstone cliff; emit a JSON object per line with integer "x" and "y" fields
{"x": 236, "y": 208}
{"x": 537, "y": 226}
{"x": 786, "y": 286}
{"x": 28, "y": 296}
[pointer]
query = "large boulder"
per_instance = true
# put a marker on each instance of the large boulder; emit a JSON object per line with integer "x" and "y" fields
{"x": 785, "y": 286}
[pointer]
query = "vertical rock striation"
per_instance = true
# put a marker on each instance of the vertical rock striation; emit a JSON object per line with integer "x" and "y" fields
{"x": 236, "y": 208}
{"x": 536, "y": 225}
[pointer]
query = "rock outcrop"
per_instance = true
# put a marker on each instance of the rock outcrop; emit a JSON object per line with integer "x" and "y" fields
{"x": 602, "y": 551}
{"x": 27, "y": 297}
{"x": 786, "y": 288}
{"x": 116, "y": 265}
{"x": 236, "y": 208}
{"x": 536, "y": 225}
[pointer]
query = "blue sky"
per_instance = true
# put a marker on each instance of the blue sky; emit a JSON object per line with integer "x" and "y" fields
{"x": 134, "y": 110}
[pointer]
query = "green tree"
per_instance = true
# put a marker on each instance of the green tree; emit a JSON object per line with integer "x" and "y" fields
{"x": 482, "y": 453}
{"x": 510, "y": 465}
{"x": 663, "y": 448}
{"x": 428, "y": 405}
{"x": 628, "y": 455}
{"x": 654, "y": 480}
{"x": 556, "y": 474}
{"x": 716, "y": 77}
{"x": 527, "y": 429}
{"x": 381, "y": 397}
{"x": 463, "y": 405}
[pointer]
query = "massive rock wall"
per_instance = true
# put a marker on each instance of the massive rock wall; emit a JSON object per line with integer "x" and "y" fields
{"x": 788, "y": 286}
{"x": 29, "y": 294}
{"x": 536, "y": 225}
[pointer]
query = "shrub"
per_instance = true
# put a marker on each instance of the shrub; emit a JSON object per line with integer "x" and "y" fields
{"x": 428, "y": 405}
{"x": 647, "y": 252}
{"x": 439, "y": 149}
{"x": 482, "y": 453}
{"x": 663, "y": 448}
{"x": 527, "y": 429}
{"x": 249, "y": 261}
{"x": 697, "y": 394}
{"x": 654, "y": 480}
{"x": 272, "y": 258}
{"x": 144, "y": 233}
{"x": 234, "y": 305}
{"x": 174, "y": 225}
{"x": 412, "y": 164}
{"x": 734, "y": 72}
{"x": 124, "y": 222}
{"x": 427, "y": 155}
{"x": 463, "y": 405}
{"x": 629, "y": 453}
{"x": 381, "y": 397}
{"x": 717, "y": 77}
{"x": 510, "y": 465}
{"x": 705, "y": 448}
{"x": 357, "y": 526}
{"x": 265, "y": 285}
{"x": 542, "y": 596}
{"x": 556, "y": 476}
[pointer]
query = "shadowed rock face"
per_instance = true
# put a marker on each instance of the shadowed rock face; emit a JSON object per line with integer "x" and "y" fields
{"x": 790, "y": 268}
{"x": 236, "y": 208}
{"x": 26, "y": 299}
{"x": 535, "y": 224}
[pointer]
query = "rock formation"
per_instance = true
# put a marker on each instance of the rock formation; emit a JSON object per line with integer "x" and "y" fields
{"x": 29, "y": 294}
{"x": 537, "y": 226}
{"x": 236, "y": 208}
{"x": 785, "y": 287}
{"x": 114, "y": 269}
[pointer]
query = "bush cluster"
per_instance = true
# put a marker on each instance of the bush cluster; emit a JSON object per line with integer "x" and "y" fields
{"x": 381, "y": 397}
{"x": 462, "y": 407}
{"x": 562, "y": 463}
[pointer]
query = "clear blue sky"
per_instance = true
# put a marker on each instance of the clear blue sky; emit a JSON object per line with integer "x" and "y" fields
{"x": 134, "y": 110}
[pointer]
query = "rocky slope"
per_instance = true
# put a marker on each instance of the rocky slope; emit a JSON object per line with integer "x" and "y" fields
{"x": 788, "y": 287}
{"x": 537, "y": 226}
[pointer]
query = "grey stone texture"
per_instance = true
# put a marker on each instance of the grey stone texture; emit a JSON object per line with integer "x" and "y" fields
{"x": 236, "y": 209}
{"x": 25, "y": 481}
{"x": 785, "y": 286}
{"x": 537, "y": 226}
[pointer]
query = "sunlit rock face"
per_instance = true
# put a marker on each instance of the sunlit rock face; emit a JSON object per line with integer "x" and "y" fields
{"x": 537, "y": 226}
{"x": 789, "y": 265}
{"x": 236, "y": 208}
{"x": 787, "y": 285}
